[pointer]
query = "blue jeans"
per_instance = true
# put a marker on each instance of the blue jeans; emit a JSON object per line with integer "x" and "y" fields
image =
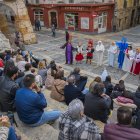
{"x": 46, "y": 117}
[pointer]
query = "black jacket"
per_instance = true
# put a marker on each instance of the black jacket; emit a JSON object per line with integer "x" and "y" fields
{"x": 136, "y": 99}
{"x": 8, "y": 90}
{"x": 72, "y": 92}
{"x": 97, "y": 107}
{"x": 108, "y": 87}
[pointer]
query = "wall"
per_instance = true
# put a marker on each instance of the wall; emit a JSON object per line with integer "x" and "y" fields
{"x": 124, "y": 18}
{"x": 22, "y": 21}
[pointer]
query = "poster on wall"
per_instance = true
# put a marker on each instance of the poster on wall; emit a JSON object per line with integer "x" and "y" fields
{"x": 84, "y": 23}
{"x": 95, "y": 23}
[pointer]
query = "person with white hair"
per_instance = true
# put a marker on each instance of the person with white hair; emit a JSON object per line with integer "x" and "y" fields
{"x": 100, "y": 51}
{"x": 74, "y": 125}
{"x": 71, "y": 91}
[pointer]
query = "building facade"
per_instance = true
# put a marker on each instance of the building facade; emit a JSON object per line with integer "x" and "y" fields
{"x": 126, "y": 14}
{"x": 81, "y": 17}
{"x": 67, "y": 1}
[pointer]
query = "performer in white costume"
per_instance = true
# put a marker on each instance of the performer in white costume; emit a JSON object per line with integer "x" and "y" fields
{"x": 128, "y": 59}
{"x": 112, "y": 51}
{"x": 100, "y": 51}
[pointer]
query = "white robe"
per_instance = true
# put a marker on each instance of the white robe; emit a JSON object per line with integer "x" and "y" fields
{"x": 111, "y": 55}
{"x": 100, "y": 51}
{"x": 127, "y": 64}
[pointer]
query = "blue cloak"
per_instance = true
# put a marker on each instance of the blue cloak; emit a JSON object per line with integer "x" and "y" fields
{"x": 123, "y": 45}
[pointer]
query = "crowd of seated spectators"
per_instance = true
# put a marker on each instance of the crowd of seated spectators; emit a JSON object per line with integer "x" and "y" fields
{"x": 23, "y": 78}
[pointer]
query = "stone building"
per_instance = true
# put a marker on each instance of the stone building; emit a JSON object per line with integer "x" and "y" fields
{"x": 17, "y": 11}
{"x": 126, "y": 14}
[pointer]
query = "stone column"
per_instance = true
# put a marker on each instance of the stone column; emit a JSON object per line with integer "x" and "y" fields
{"x": 23, "y": 23}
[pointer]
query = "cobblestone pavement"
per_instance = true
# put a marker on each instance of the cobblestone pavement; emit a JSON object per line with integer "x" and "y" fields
{"x": 49, "y": 47}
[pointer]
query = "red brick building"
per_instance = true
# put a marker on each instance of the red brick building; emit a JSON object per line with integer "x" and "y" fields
{"x": 81, "y": 17}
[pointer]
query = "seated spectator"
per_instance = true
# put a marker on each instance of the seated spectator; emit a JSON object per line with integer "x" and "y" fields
{"x": 136, "y": 99}
{"x": 9, "y": 63}
{"x": 38, "y": 78}
{"x": 80, "y": 80}
{"x": 8, "y": 89}
{"x": 7, "y": 132}
{"x": 30, "y": 104}
{"x": 118, "y": 90}
{"x": 95, "y": 81}
{"x": 122, "y": 130}
{"x": 74, "y": 125}
{"x": 52, "y": 70}
{"x": 21, "y": 63}
{"x": 71, "y": 91}
{"x": 28, "y": 67}
{"x": 108, "y": 85}
{"x": 1, "y": 63}
{"x": 42, "y": 71}
{"x": 1, "y": 67}
{"x": 21, "y": 75}
{"x": 57, "y": 90}
{"x": 8, "y": 55}
{"x": 97, "y": 104}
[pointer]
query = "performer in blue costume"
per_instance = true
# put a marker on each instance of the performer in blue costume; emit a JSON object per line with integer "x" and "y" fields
{"x": 122, "y": 47}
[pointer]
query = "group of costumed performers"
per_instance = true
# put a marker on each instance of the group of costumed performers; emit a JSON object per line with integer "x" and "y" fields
{"x": 79, "y": 51}
{"x": 128, "y": 60}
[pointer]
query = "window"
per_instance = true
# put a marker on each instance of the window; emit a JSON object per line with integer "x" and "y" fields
{"x": 37, "y": 1}
{"x": 125, "y": 4}
{"x": 38, "y": 14}
{"x": 71, "y": 1}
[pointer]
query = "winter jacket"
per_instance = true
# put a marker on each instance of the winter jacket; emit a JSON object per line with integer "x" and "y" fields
{"x": 72, "y": 92}
{"x": 57, "y": 91}
{"x": 8, "y": 90}
{"x": 120, "y": 132}
{"x": 97, "y": 107}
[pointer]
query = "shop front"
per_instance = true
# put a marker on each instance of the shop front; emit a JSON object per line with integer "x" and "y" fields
{"x": 96, "y": 18}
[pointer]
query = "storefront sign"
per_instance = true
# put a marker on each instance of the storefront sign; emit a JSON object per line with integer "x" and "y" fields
{"x": 84, "y": 23}
{"x": 104, "y": 7}
{"x": 74, "y": 8}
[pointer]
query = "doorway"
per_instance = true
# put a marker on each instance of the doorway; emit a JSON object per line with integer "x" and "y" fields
{"x": 132, "y": 18}
{"x": 102, "y": 22}
{"x": 38, "y": 14}
{"x": 53, "y": 18}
